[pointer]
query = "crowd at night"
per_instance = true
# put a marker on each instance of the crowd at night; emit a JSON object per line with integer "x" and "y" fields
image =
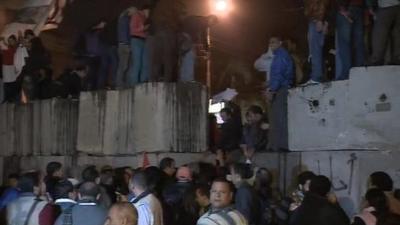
{"x": 154, "y": 41}
{"x": 196, "y": 193}
{"x": 143, "y": 43}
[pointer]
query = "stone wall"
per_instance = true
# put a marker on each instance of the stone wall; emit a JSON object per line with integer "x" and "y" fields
{"x": 359, "y": 113}
{"x": 40, "y": 128}
{"x": 151, "y": 117}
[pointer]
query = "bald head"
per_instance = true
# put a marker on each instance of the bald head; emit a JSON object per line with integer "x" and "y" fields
{"x": 122, "y": 213}
{"x": 89, "y": 190}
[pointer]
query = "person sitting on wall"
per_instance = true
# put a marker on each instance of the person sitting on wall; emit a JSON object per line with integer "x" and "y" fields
{"x": 255, "y": 133}
{"x": 230, "y": 134}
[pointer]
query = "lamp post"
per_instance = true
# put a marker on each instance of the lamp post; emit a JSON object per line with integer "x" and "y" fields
{"x": 219, "y": 8}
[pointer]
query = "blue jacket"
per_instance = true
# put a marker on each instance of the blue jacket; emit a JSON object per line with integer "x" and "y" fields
{"x": 282, "y": 70}
{"x": 247, "y": 203}
{"x": 123, "y": 29}
{"x": 9, "y": 195}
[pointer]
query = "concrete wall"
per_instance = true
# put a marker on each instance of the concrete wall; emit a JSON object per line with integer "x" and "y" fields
{"x": 151, "y": 117}
{"x": 42, "y": 128}
{"x": 359, "y": 113}
{"x": 348, "y": 171}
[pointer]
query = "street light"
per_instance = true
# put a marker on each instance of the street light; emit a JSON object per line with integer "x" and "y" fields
{"x": 221, "y": 7}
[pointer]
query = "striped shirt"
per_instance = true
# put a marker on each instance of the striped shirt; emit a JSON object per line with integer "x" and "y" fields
{"x": 226, "y": 216}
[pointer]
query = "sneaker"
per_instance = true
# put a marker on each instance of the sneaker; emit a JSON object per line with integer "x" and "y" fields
{"x": 309, "y": 82}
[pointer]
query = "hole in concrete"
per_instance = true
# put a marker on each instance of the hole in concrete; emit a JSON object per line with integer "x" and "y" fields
{"x": 332, "y": 102}
{"x": 383, "y": 97}
{"x": 322, "y": 122}
{"x": 315, "y": 103}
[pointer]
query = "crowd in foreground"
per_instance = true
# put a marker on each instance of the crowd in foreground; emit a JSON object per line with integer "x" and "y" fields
{"x": 197, "y": 193}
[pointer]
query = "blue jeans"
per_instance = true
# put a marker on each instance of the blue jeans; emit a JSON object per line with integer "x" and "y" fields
{"x": 108, "y": 65}
{"x": 349, "y": 35}
{"x": 315, "y": 45}
{"x": 187, "y": 66}
{"x": 137, "y": 51}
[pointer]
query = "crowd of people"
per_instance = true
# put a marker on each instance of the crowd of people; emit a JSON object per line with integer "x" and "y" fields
{"x": 144, "y": 43}
{"x": 197, "y": 193}
{"x": 27, "y": 73}
{"x": 363, "y": 33}
{"x": 148, "y": 42}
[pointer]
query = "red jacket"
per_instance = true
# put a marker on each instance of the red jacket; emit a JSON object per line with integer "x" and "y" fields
{"x": 137, "y": 25}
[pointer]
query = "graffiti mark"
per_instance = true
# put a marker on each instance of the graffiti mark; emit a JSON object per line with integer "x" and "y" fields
{"x": 353, "y": 158}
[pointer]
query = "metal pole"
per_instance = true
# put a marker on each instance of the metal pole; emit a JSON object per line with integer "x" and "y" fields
{"x": 208, "y": 60}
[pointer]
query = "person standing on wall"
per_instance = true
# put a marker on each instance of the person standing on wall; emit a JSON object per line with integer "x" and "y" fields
{"x": 138, "y": 31}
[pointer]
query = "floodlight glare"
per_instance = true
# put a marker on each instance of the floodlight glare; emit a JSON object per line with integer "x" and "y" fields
{"x": 221, "y": 5}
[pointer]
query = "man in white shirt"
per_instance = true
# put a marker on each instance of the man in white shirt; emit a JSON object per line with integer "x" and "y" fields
{"x": 148, "y": 206}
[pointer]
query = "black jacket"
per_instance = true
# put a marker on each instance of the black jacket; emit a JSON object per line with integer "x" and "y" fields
{"x": 316, "y": 210}
{"x": 231, "y": 134}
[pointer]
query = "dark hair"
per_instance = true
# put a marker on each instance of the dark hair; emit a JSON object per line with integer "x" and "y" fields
{"x": 153, "y": 176}
{"x": 90, "y": 174}
{"x": 143, "y": 5}
{"x": 207, "y": 173}
{"x": 320, "y": 185}
{"x": 119, "y": 180}
{"x": 203, "y": 189}
{"x": 255, "y": 109}
{"x": 243, "y": 170}
{"x": 166, "y": 162}
{"x": 140, "y": 180}
{"x": 53, "y": 167}
{"x": 382, "y": 181}
{"x": 62, "y": 189}
{"x": 12, "y": 37}
{"x": 227, "y": 111}
{"x": 89, "y": 189}
{"x": 223, "y": 180}
{"x": 28, "y": 181}
{"x": 389, "y": 219}
{"x": 189, "y": 203}
{"x": 303, "y": 177}
{"x": 28, "y": 32}
{"x": 13, "y": 176}
{"x": 377, "y": 199}
{"x": 263, "y": 182}
{"x": 37, "y": 46}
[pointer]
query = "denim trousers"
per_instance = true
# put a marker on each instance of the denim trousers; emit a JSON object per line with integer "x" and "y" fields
{"x": 315, "y": 44}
